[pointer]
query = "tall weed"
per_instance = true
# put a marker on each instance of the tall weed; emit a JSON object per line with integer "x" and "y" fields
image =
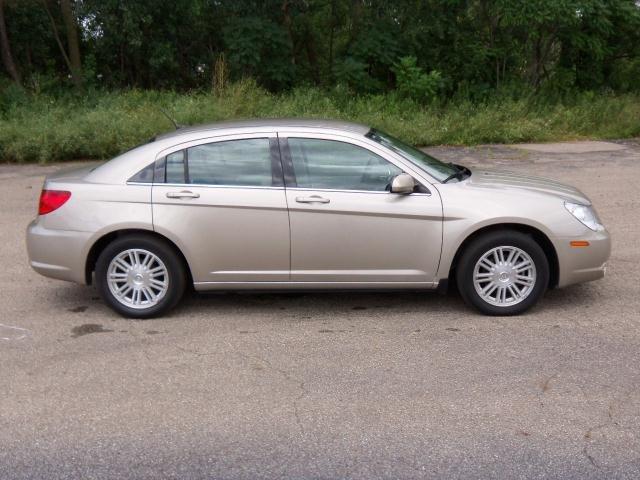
{"x": 98, "y": 124}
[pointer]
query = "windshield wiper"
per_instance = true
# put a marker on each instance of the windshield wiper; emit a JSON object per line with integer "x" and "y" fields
{"x": 459, "y": 173}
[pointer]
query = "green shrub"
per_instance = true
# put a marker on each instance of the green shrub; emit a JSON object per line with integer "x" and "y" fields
{"x": 98, "y": 124}
{"x": 413, "y": 82}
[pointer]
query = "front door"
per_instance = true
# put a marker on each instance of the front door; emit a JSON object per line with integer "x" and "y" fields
{"x": 223, "y": 202}
{"x": 346, "y": 226}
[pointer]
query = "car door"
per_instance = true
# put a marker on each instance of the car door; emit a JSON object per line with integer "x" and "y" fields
{"x": 346, "y": 226}
{"x": 222, "y": 201}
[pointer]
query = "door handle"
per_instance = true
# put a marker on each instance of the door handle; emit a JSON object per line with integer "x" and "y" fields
{"x": 183, "y": 194}
{"x": 312, "y": 199}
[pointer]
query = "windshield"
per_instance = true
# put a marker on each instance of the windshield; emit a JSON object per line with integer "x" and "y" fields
{"x": 434, "y": 167}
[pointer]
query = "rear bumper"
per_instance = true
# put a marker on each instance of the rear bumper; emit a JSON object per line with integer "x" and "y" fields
{"x": 59, "y": 254}
{"x": 583, "y": 264}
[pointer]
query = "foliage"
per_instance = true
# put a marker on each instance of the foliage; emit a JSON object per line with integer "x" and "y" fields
{"x": 477, "y": 46}
{"x": 353, "y": 72}
{"x": 413, "y": 82}
{"x": 431, "y": 71}
{"x": 99, "y": 124}
{"x": 253, "y": 43}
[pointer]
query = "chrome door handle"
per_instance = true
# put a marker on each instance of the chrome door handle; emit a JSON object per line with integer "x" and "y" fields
{"x": 183, "y": 194}
{"x": 312, "y": 199}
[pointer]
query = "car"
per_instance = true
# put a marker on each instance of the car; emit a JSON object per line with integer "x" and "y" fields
{"x": 309, "y": 205}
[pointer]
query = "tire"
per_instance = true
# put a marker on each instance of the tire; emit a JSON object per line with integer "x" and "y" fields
{"x": 507, "y": 288}
{"x": 140, "y": 276}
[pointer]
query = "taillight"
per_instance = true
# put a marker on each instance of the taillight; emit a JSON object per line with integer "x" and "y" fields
{"x": 51, "y": 200}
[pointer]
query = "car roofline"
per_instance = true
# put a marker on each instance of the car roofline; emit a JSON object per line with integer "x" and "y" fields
{"x": 122, "y": 167}
{"x": 267, "y": 124}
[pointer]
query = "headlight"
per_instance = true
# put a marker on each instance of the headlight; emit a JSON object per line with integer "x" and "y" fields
{"x": 586, "y": 215}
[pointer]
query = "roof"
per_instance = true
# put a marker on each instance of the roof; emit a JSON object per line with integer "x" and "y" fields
{"x": 270, "y": 123}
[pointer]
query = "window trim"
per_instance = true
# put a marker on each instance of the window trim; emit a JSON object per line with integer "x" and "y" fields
{"x": 287, "y": 163}
{"x": 337, "y": 190}
{"x": 225, "y": 187}
{"x": 277, "y": 171}
{"x": 289, "y": 171}
{"x": 185, "y": 161}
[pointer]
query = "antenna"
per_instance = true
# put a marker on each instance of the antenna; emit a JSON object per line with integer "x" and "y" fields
{"x": 175, "y": 124}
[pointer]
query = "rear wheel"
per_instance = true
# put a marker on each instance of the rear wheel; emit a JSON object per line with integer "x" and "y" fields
{"x": 502, "y": 273}
{"x": 140, "y": 276}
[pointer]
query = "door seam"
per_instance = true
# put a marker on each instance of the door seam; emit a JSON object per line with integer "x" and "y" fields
{"x": 286, "y": 201}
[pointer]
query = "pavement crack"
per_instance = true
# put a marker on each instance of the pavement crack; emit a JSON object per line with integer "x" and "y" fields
{"x": 544, "y": 387}
{"x": 588, "y": 436}
{"x": 300, "y": 384}
{"x": 195, "y": 352}
{"x": 610, "y": 421}
{"x": 545, "y": 384}
{"x": 585, "y": 452}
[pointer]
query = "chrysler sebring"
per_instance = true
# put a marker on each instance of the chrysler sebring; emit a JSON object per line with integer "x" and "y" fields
{"x": 300, "y": 204}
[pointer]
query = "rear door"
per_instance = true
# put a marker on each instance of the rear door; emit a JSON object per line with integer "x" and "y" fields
{"x": 222, "y": 201}
{"x": 345, "y": 224}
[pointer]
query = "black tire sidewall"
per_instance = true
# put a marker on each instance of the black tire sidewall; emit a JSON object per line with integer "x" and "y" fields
{"x": 175, "y": 268}
{"x": 481, "y": 245}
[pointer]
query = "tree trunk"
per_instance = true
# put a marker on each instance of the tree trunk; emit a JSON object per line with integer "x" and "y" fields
{"x": 288, "y": 23}
{"x": 332, "y": 29}
{"x": 56, "y": 35}
{"x": 5, "y": 49}
{"x": 73, "y": 43}
{"x": 312, "y": 54}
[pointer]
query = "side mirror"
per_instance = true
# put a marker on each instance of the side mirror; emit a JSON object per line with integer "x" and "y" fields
{"x": 402, "y": 183}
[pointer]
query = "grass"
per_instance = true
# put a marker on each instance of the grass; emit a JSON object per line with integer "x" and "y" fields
{"x": 42, "y": 128}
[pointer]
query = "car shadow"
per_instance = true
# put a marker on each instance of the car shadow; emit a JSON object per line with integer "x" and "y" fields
{"x": 391, "y": 302}
{"x": 82, "y": 301}
{"x": 324, "y": 303}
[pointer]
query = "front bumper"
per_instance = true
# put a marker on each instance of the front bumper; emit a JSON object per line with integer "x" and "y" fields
{"x": 59, "y": 254}
{"x": 583, "y": 264}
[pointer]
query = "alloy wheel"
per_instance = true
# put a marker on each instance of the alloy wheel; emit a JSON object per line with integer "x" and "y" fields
{"x": 504, "y": 276}
{"x": 137, "y": 278}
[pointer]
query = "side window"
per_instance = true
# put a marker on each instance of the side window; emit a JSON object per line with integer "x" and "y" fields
{"x": 175, "y": 167}
{"x": 245, "y": 162}
{"x": 338, "y": 165}
{"x": 145, "y": 175}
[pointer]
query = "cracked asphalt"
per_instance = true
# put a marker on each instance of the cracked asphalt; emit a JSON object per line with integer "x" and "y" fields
{"x": 334, "y": 385}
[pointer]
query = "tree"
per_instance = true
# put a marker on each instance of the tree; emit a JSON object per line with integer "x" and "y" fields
{"x": 73, "y": 42}
{"x": 72, "y": 58}
{"x": 476, "y": 46}
{"x": 5, "y": 49}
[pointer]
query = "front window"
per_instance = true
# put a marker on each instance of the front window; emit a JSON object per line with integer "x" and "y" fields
{"x": 335, "y": 165}
{"x": 434, "y": 167}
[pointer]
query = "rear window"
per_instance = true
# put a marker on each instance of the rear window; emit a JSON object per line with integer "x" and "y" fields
{"x": 175, "y": 167}
{"x": 244, "y": 162}
{"x": 145, "y": 175}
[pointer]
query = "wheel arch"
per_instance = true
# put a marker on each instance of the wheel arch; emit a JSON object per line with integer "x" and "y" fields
{"x": 101, "y": 243}
{"x": 538, "y": 235}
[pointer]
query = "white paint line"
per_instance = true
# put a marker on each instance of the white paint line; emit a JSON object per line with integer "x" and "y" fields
{"x": 15, "y": 333}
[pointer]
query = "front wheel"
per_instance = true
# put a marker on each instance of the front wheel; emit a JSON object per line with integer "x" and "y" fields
{"x": 502, "y": 273}
{"x": 140, "y": 276}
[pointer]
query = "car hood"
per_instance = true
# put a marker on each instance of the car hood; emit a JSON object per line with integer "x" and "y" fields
{"x": 510, "y": 180}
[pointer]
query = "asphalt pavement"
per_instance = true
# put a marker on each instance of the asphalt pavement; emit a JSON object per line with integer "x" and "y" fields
{"x": 332, "y": 385}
